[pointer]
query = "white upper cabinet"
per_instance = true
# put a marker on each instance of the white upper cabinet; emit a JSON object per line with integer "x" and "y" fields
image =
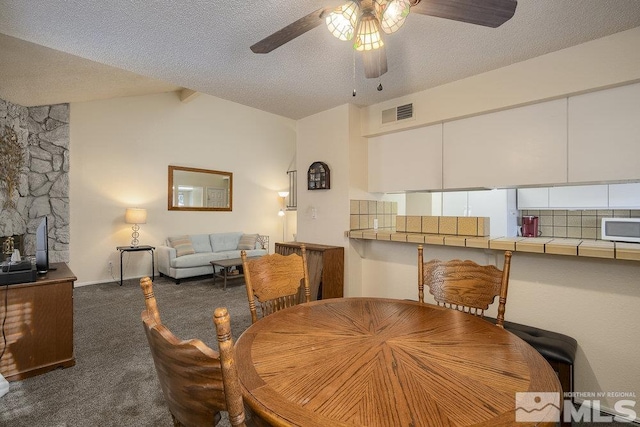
{"x": 533, "y": 198}
{"x": 579, "y": 196}
{"x": 611, "y": 196}
{"x": 623, "y": 196}
{"x": 410, "y": 160}
{"x": 520, "y": 146}
{"x": 604, "y": 135}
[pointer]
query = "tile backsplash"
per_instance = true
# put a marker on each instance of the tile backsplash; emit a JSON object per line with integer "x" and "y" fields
{"x": 451, "y": 225}
{"x": 364, "y": 212}
{"x": 583, "y": 224}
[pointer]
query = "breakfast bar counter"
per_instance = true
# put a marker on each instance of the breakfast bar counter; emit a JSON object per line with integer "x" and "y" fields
{"x": 543, "y": 245}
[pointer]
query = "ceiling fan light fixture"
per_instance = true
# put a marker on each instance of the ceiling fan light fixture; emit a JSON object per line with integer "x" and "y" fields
{"x": 368, "y": 33}
{"x": 394, "y": 15}
{"x": 342, "y": 21}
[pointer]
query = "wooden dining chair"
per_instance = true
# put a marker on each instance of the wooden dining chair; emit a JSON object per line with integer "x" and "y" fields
{"x": 197, "y": 382}
{"x": 465, "y": 285}
{"x": 276, "y": 281}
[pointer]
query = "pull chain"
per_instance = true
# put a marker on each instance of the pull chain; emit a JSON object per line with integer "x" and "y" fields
{"x": 379, "y": 79}
{"x": 354, "y": 73}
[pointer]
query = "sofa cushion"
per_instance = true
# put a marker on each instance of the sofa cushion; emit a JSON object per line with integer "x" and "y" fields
{"x": 247, "y": 242}
{"x": 225, "y": 241}
{"x": 182, "y": 245}
{"x": 201, "y": 243}
{"x": 193, "y": 260}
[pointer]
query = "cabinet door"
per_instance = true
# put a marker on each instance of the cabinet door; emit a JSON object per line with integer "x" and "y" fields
{"x": 579, "y": 196}
{"x": 410, "y": 160}
{"x": 533, "y": 198}
{"x": 624, "y": 196}
{"x": 520, "y": 146}
{"x": 499, "y": 206}
{"x": 455, "y": 203}
{"x": 604, "y": 135}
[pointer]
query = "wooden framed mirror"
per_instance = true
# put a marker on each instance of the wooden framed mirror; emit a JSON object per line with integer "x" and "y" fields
{"x": 192, "y": 189}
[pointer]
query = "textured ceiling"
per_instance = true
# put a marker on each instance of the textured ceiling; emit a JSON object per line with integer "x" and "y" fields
{"x": 204, "y": 45}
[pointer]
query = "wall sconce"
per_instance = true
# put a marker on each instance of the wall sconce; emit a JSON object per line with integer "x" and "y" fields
{"x": 135, "y": 216}
{"x": 283, "y": 195}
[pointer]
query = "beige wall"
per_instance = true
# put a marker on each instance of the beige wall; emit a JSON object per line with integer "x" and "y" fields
{"x": 120, "y": 151}
{"x": 595, "y": 301}
{"x": 605, "y": 62}
{"x": 324, "y": 137}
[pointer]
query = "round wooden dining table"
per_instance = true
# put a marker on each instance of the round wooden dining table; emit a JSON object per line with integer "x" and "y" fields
{"x": 386, "y": 362}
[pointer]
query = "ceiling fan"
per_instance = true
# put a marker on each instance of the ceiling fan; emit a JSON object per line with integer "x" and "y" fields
{"x": 361, "y": 21}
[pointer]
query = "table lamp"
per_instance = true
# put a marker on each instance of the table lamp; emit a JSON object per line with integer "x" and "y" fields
{"x": 135, "y": 216}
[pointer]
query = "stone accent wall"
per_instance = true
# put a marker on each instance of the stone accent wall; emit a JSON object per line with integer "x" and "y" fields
{"x": 43, "y": 188}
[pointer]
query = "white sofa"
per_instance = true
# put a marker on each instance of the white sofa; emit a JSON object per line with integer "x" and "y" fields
{"x": 205, "y": 248}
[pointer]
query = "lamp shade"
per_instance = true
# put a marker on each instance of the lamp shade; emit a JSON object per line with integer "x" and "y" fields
{"x": 342, "y": 21}
{"x": 135, "y": 216}
{"x": 283, "y": 193}
{"x": 394, "y": 15}
{"x": 367, "y": 35}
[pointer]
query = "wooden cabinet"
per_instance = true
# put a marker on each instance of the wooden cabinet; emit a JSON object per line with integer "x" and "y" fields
{"x": 604, "y": 135}
{"x": 39, "y": 324}
{"x": 520, "y": 146}
{"x": 410, "y": 160}
{"x": 326, "y": 267}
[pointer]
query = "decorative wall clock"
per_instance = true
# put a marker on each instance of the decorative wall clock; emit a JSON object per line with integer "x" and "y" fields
{"x": 318, "y": 176}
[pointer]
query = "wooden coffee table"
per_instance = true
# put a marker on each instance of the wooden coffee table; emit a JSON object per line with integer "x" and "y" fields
{"x": 226, "y": 265}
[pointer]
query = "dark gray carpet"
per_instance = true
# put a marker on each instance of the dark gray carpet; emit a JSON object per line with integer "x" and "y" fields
{"x": 114, "y": 381}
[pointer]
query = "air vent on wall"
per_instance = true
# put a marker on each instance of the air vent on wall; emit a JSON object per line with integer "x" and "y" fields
{"x": 394, "y": 114}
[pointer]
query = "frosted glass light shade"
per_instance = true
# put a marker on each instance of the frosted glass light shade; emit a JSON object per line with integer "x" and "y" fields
{"x": 283, "y": 193}
{"x": 368, "y": 34}
{"x": 135, "y": 216}
{"x": 394, "y": 15}
{"x": 342, "y": 21}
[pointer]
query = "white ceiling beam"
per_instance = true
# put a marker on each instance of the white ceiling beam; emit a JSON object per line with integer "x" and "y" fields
{"x": 188, "y": 95}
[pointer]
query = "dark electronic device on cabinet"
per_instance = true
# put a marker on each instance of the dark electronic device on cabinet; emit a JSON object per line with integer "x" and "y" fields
{"x": 42, "y": 247}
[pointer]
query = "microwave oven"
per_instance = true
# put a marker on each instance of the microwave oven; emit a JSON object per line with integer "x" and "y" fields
{"x": 621, "y": 229}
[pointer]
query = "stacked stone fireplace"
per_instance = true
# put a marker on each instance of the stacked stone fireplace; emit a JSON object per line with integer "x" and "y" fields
{"x": 42, "y": 185}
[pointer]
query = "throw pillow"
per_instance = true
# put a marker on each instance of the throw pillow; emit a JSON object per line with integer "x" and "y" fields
{"x": 182, "y": 245}
{"x": 247, "y": 242}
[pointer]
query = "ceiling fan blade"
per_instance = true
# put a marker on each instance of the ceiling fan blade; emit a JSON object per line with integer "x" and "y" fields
{"x": 290, "y": 32}
{"x": 489, "y": 13}
{"x": 375, "y": 62}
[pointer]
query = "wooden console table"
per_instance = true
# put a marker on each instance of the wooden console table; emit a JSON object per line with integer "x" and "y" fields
{"x": 39, "y": 324}
{"x": 326, "y": 267}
